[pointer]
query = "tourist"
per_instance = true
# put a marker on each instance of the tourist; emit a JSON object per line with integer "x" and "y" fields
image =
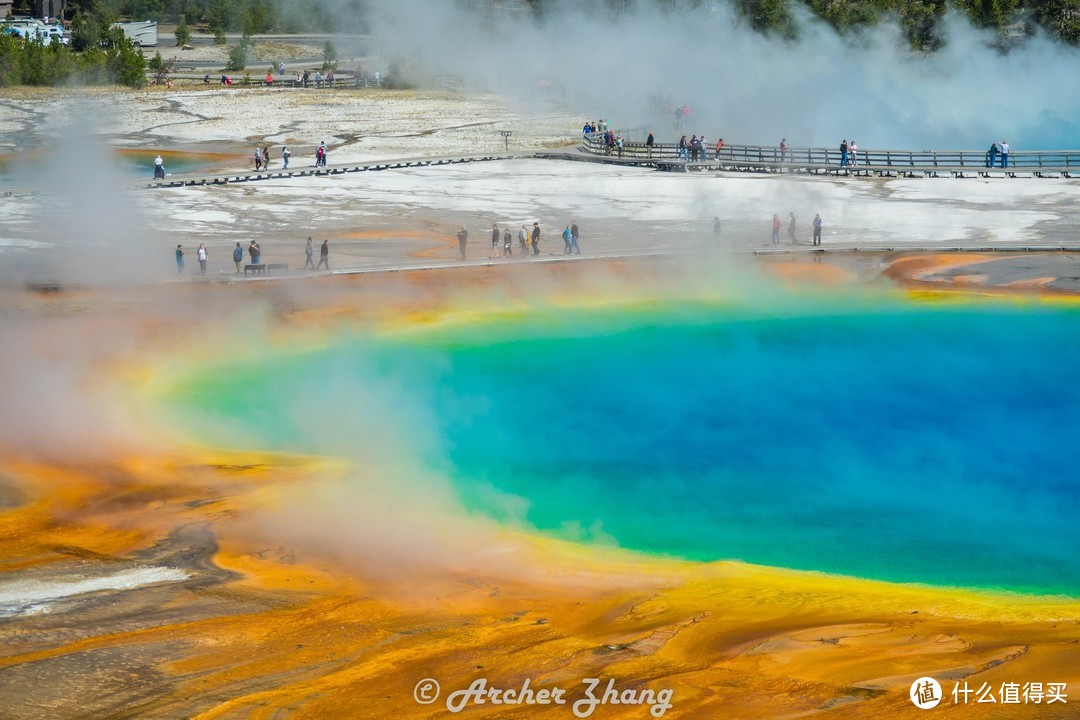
{"x": 285, "y": 156}
{"x": 1004, "y": 154}
{"x": 254, "y": 252}
{"x": 462, "y": 240}
{"x": 309, "y": 255}
{"x": 269, "y": 79}
{"x": 853, "y": 156}
{"x": 266, "y": 158}
{"x": 324, "y": 255}
{"x": 783, "y": 149}
{"x": 587, "y": 129}
{"x": 536, "y": 238}
{"x": 508, "y": 243}
{"x": 776, "y": 225}
{"x": 695, "y": 145}
{"x": 237, "y": 256}
{"x": 649, "y": 142}
{"x": 719, "y": 147}
{"x": 843, "y": 153}
{"x": 682, "y": 148}
{"x": 179, "y": 259}
{"x": 298, "y": 79}
{"x": 523, "y": 240}
{"x": 320, "y": 155}
{"x": 817, "y": 229}
{"x": 619, "y": 144}
{"x": 575, "y": 250}
{"x": 791, "y": 227}
{"x": 991, "y": 156}
{"x": 566, "y": 240}
{"x": 304, "y": 81}
{"x": 318, "y": 79}
{"x": 258, "y": 159}
{"x": 330, "y": 77}
{"x": 201, "y": 255}
{"x": 159, "y": 168}
{"x": 495, "y": 235}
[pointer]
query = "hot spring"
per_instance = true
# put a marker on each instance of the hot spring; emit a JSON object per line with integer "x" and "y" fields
{"x": 897, "y": 441}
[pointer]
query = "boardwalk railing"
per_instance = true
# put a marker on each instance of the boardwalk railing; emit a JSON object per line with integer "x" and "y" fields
{"x": 818, "y": 159}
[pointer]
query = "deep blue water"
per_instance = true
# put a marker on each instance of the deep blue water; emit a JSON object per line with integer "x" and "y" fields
{"x": 909, "y": 444}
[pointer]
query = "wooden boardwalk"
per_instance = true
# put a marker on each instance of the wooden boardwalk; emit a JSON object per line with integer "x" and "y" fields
{"x": 734, "y": 158}
{"x": 740, "y": 158}
{"x": 823, "y": 161}
{"x": 192, "y": 180}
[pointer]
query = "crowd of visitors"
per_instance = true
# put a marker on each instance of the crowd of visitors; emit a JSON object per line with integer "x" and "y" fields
{"x": 502, "y": 240}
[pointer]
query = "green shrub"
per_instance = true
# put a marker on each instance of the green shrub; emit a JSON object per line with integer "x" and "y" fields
{"x": 237, "y": 57}
{"x": 329, "y": 54}
{"x": 183, "y": 33}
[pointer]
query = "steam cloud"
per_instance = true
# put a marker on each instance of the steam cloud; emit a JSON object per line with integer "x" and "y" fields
{"x": 745, "y": 87}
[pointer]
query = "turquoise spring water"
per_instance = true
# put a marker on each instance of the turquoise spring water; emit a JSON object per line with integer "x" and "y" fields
{"x": 136, "y": 164}
{"x": 913, "y": 444}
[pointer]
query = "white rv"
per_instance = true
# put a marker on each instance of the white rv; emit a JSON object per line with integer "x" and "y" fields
{"x": 142, "y": 34}
{"x": 33, "y": 29}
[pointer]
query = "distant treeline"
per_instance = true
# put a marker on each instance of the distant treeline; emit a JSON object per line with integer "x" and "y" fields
{"x": 251, "y": 17}
{"x": 920, "y": 19}
{"x": 98, "y": 55}
{"x": 101, "y": 55}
